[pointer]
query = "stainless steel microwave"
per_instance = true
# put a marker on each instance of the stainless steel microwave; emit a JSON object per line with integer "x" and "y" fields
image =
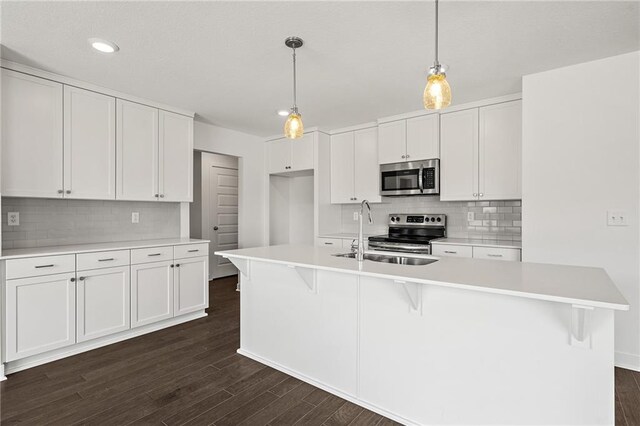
{"x": 410, "y": 178}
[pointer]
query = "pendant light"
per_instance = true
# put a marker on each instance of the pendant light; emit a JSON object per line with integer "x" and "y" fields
{"x": 293, "y": 128}
{"x": 437, "y": 94}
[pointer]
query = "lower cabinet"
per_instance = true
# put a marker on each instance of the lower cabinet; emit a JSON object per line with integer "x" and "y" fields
{"x": 40, "y": 314}
{"x": 190, "y": 294}
{"x": 151, "y": 292}
{"x": 103, "y": 302}
{"x": 476, "y": 252}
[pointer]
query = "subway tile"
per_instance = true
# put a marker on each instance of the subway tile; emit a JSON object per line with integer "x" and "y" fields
{"x": 505, "y": 209}
{"x": 490, "y": 210}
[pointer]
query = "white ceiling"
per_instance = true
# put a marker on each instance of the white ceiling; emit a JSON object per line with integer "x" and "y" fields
{"x": 362, "y": 60}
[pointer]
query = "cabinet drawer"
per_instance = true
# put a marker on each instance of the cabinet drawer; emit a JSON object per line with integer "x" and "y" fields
{"x": 153, "y": 254}
{"x": 103, "y": 259}
{"x": 191, "y": 250}
{"x": 496, "y": 253}
{"x": 330, "y": 242}
{"x": 451, "y": 250}
{"x": 38, "y": 266}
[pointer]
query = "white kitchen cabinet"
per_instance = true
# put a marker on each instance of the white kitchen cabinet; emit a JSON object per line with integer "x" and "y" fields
{"x": 40, "y": 314}
{"x": 409, "y": 140}
{"x": 176, "y": 157}
{"x": 103, "y": 302}
{"x": 32, "y": 136}
{"x": 137, "y": 152}
{"x": 191, "y": 278}
{"x": 481, "y": 153}
{"x": 89, "y": 144}
{"x": 354, "y": 170}
{"x": 392, "y": 142}
{"x": 500, "y": 151}
{"x": 151, "y": 292}
{"x": 459, "y": 155}
{"x": 290, "y": 155}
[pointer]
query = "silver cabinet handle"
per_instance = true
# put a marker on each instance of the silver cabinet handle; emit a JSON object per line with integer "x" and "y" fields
{"x": 154, "y": 254}
{"x": 450, "y": 252}
{"x": 404, "y": 156}
{"x": 193, "y": 251}
{"x": 408, "y": 156}
{"x": 106, "y": 260}
{"x": 161, "y": 195}
{"x": 475, "y": 194}
{"x": 481, "y": 194}
{"x": 328, "y": 244}
{"x": 44, "y": 266}
{"x": 494, "y": 255}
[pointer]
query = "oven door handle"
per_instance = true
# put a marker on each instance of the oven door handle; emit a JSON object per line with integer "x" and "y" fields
{"x": 420, "y": 177}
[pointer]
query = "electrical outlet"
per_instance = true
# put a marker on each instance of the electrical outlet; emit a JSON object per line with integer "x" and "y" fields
{"x": 355, "y": 216}
{"x": 135, "y": 217}
{"x": 470, "y": 216}
{"x": 617, "y": 218}
{"x": 13, "y": 218}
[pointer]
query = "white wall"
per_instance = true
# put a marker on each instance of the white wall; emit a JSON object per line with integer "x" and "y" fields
{"x": 581, "y": 152}
{"x": 250, "y": 151}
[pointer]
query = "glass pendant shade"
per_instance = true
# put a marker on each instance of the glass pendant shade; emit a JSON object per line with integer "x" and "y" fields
{"x": 293, "y": 127}
{"x": 437, "y": 94}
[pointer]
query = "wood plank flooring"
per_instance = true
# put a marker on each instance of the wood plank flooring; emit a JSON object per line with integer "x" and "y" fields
{"x": 191, "y": 374}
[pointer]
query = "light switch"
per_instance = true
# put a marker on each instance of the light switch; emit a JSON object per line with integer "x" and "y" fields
{"x": 617, "y": 218}
{"x": 13, "y": 218}
{"x": 355, "y": 216}
{"x": 470, "y": 216}
{"x": 135, "y": 217}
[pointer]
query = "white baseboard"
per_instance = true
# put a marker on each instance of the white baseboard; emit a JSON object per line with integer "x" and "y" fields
{"x": 327, "y": 388}
{"x": 35, "y": 360}
{"x": 628, "y": 361}
{"x": 2, "y": 376}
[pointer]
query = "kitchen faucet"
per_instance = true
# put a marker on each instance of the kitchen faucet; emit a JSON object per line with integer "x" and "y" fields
{"x": 360, "y": 251}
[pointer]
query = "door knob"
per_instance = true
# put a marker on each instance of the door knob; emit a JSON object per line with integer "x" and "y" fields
{"x": 215, "y": 228}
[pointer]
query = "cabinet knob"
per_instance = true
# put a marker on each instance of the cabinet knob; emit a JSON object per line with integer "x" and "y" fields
{"x": 215, "y": 228}
{"x": 68, "y": 191}
{"x": 73, "y": 280}
{"x": 60, "y": 191}
{"x": 404, "y": 156}
{"x": 171, "y": 266}
{"x": 408, "y": 156}
{"x": 157, "y": 195}
{"x": 475, "y": 194}
{"x": 81, "y": 278}
{"x": 177, "y": 265}
{"x": 481, "y": 194}
{"x": 161, "y": 195}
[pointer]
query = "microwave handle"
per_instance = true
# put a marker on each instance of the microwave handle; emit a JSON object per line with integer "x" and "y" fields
{"x": 420, "y": 180}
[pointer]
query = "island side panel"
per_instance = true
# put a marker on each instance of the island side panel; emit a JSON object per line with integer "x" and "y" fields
{"x": 467, "y": 357}
{"x": 308, "y": 327}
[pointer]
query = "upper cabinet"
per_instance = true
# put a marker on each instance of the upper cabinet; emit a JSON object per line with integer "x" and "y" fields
{"x": 290, "y": 155}
{"x": 31, "y": 136}
{"x": 481, "y": 153}
{"x": 408, "y": 140}
{"x": 175, "y": 175}
{"x": 89, "y": 144}
{"x": 354, "y": 170}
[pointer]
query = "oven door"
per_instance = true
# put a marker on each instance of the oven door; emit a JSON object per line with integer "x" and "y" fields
{"x": 411, "y": 178}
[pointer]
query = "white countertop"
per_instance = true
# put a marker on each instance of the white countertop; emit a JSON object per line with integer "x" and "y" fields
{"x": 345, "y": 235}
{"x": 584, "y": 286}
{"x": 479, "y": 243}
{"x": 87, "y": 248}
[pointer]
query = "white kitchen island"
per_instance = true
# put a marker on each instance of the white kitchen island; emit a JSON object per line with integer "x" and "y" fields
{"x": 458, "y": 341}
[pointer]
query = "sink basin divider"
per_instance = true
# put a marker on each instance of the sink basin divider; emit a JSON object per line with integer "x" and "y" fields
{"x": 414, "y": 294}
{"x": 308, "y": 275}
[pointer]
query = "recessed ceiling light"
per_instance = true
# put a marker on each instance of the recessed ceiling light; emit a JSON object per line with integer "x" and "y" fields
{"x": 104, "y": 46}
{"x": 283, "y": 112}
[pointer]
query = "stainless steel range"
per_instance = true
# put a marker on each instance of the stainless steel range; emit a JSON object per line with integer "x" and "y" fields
{"x": 411, "y": 233}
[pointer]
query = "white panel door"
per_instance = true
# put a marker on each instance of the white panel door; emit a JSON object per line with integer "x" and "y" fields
{"x": 191, "y": 285}
{"x": 500, "y": 151}
{"x": 223, "y": 219}
{"x": 176, "y": 157}
{"x": 89, "y": 144}
{"x": 365, "y": 167}
{"x": 103, "y": 302}
{"x": 302, "y": 152}
{"x": 31, "y": 136}
{"x": 151, "y": 292}
{"x": 342, "y": 173}
{"x": 423, "y": 137}
{"x": 41, "y": 314}
{"x": 279, "y": 155}
{"x": 392, "y": 142}
{"x": 459, "y": 155}
{"x": 136, "y": 152}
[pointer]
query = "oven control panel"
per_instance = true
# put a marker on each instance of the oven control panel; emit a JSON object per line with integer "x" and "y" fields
{"x": 398, "y": 219}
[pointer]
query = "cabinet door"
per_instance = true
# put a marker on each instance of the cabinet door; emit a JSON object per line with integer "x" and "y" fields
{"x": 459, "y": 155}
{"x": 191, "y": 285}
{"x": 103, "y": 302}
{"x": 136, "y": 151}
{"x": 302, "y": 152}
{"x": 500, "y": 151}
{"x": 31, "y": 136}
{"x": 342, "y": 161}
{"x": 89, "y": 144}
{"x": 41, "y": 314}
{"x": 151, "y": 292}
{"x": 451, "y": 250}
{"x": 366, "y": 169}
{"x": 392, "y": 142}
{"x": 423, "y": 137}
{"x": 176, "y": 157}
{"x": 279, "y": 155}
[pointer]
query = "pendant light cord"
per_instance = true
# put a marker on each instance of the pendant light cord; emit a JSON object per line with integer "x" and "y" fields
{"x": 295, "y": 106}
{"x": 437, "y": 63}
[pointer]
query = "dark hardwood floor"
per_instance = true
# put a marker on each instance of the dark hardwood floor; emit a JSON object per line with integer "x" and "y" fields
{"x": 191, "y": 374}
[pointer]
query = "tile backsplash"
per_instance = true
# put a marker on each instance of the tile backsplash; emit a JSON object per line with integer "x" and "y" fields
{"x": 493, "y": 220}
{"x": 52, "y": 222}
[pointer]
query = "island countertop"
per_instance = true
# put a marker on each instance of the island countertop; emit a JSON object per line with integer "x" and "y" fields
{"x": 585, "y": 286}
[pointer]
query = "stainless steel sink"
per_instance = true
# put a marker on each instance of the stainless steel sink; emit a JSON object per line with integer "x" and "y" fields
{"x": 386, "y": 258}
